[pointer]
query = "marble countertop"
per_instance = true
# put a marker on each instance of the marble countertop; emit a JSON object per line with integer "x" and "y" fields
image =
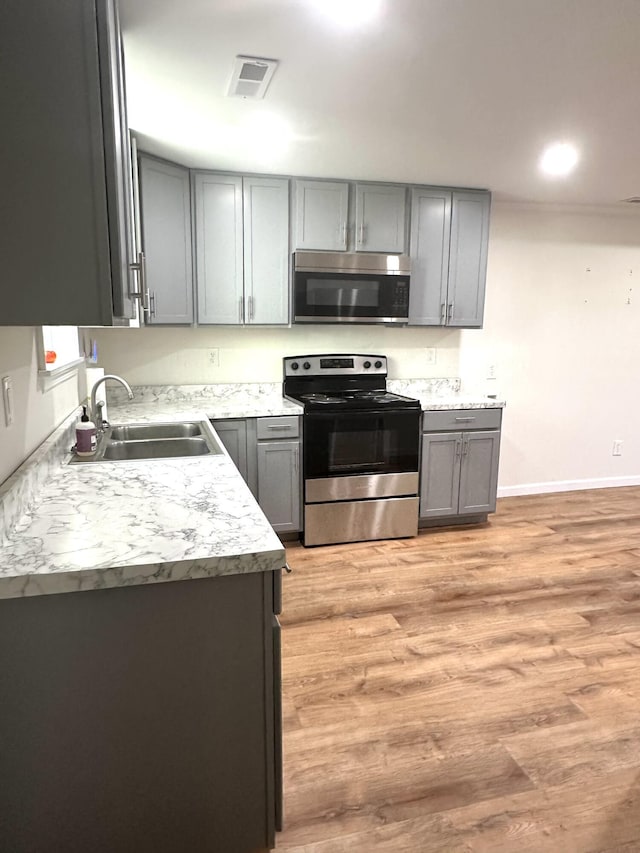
{"x": 114, "y": 524}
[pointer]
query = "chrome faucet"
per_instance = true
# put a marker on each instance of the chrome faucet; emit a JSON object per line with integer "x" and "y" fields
{"x": 96, "y": 407}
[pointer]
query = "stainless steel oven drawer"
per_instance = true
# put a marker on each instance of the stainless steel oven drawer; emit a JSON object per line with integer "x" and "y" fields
{"x": 461, "y": 419}
{"x": 361, "y": 486}
{"x": 280, "y": 427}
{"x": 357, "y": 521}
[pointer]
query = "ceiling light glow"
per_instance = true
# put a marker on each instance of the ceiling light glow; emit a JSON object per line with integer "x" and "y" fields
{"x": 349, "y": 13}
{"x": 559, "y": 159}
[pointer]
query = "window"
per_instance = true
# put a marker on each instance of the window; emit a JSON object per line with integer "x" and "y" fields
{"x": 58, "y": 353}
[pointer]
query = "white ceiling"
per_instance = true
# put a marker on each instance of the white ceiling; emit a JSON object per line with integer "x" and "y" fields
{"x": 449, "y": 92}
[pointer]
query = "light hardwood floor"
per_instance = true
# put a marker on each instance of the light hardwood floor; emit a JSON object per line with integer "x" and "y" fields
{"x": 473, "y": 689}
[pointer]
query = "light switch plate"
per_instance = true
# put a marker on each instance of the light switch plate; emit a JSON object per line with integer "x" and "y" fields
{"x": 7, "y": 396}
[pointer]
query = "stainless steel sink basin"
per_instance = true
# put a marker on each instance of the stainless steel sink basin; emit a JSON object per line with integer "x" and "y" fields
{"x": 138, "y": 432}
{"x": 160, "y": 448}
{"x": 154, "y": 441}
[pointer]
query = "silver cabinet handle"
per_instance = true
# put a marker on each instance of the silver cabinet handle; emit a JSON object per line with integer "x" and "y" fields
{"x": 443, "y": 312}
{"x": 450, "y": 311}
{"x": 152, "y": 304}
{"x": 458, "y": 447}
{"x": 241, "y": 309}
{"x": 140, "y": 266}
{"x": 251, "y": 304}
{"x": 362, "y": 232}
{"x": 465, "y": 447}
{"x": 466, "y": 420}
{"x": 280, "y": 427}
{"x": 344, "y": 233}
{"x": 287, "y": 568}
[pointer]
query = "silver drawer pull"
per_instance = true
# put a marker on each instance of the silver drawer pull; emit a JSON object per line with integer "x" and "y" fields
{"x": 466, "y": 420}
{"x": 287, "y": 568}
{"x": 279, "y": 427}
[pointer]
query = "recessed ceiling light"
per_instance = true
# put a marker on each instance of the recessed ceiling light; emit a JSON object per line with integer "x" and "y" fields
{"x": 559, "y": 159}
{"x": 349, "y": 13}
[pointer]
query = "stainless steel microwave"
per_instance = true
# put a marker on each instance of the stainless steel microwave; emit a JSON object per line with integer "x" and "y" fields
{"x": 350, "y": 287}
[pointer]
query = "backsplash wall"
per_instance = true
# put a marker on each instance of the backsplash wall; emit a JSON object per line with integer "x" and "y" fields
{"x": 180, "y": 356}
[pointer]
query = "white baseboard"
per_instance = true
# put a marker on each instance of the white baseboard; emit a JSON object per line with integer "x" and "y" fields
{"x": 567, "y": 486}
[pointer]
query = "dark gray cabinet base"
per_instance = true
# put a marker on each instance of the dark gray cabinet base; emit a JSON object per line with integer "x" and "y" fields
{"x": 141, "y": 719}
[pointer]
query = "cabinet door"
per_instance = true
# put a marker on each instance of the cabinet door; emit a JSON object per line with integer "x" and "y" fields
{"x": 468, "y": 258}
{"x": 218, "y": 212}
{"x": 166, "y": 234}
{"x": 380, "y": 218}
{"x": 117, "y": 159}
{"x": 279, "y": 483}
{"x": 479, "y": 471}
{"x": 54, "y": 240}
{"x": 440, "y": 474}
{"x": 429, "y": 250}
{"x": 233, "y": 434}
{"x": 322, "y": 209}
{"x": 266, "y": 250}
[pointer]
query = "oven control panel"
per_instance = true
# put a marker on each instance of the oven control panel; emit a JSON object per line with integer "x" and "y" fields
{"x": 335, "y": 365}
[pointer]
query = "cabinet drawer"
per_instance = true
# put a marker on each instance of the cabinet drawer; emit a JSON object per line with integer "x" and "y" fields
{"x": 284, "y": 427}
{"x": 462, "y": 419}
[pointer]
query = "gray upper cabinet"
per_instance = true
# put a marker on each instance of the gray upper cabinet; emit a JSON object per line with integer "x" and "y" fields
{"x": 322, "y": 213}
{"x": 448, "y": 248}
{"x": 219, "y": 252}
{"x": 468, "y": 258}
{"x": 66, "y": 246}
{"x": 429, "y": 250}
{"x": 380, "y": 218}
{"x": 242, "y": 249}
{"x": 266, "y": 250}
{"x": 166, "y": 239}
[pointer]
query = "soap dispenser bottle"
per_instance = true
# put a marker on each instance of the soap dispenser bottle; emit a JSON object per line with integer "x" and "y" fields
{"x": 86, "y": 440}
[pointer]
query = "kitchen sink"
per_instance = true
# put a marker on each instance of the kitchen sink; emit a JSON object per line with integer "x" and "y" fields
{"x": 132, "y": 442}
{"x": 160, "y": 448}
{"x": 137, "y": 432}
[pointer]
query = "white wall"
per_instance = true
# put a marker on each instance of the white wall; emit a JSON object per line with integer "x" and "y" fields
{"x": 562, "y": 327}
{"x": 36, "y": 413}
{"x": 181, "y": 356}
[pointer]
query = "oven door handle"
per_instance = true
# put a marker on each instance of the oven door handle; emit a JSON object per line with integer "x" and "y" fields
{"x": 352, "y": 413}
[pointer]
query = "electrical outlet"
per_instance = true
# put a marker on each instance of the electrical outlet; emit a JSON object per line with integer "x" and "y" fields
{"x": 214, "y": 357}
{"x": 430, "y": 355}
{"x": 617, "y": 448}
{"x": 7, "y": 396}
{"x": 491, "y": 372}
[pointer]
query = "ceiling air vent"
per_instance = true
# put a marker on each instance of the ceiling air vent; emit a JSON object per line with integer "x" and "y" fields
{"x": 251, "y": 76}
{"x": 634, "y": 199}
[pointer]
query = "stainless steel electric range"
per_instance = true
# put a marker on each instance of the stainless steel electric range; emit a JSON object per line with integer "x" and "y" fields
{"x": 361, "y": 449}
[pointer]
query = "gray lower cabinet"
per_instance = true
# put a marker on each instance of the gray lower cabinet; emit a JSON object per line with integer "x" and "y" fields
{"x": 279, "y": 483}
{"x": 165, "y": 201}
{"x": 242, "y": 249}
{"x": 66, "y": 245}
{"x": 149, "y": 720}
{"x": 459, "y": 468}
{"x": 266, "y": 452}
{"x": 234, "y": 434}
{"x": 448, "y": 248}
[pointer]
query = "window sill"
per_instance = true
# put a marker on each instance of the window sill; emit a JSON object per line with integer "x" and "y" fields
{"x": 48, "y": 379}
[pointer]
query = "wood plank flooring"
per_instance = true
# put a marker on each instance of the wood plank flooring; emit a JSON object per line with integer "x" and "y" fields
{"x": 473, "y": 689}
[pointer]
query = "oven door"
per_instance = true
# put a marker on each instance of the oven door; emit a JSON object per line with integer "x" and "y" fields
{"x": 350, "y": 298}
{"x": 343, "y": 444}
